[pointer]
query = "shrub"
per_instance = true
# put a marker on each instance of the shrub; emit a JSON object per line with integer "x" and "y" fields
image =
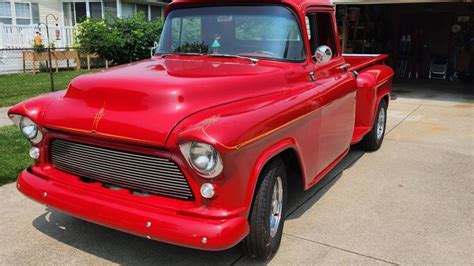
{"x": 121, "y": 40}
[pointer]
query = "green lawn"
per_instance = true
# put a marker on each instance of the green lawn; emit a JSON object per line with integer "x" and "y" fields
{"x": 15, "y": 88}
{"x": 13, "y": 154}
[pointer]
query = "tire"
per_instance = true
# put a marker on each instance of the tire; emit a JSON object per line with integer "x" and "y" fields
{"x": 263, "y": 240}
{"x": 374, "y": 139}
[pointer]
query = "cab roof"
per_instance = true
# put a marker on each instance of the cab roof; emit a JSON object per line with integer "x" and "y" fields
{"x": 297, "y": 4}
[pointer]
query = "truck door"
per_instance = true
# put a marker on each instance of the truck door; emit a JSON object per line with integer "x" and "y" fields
{"x": 338, "y": 89}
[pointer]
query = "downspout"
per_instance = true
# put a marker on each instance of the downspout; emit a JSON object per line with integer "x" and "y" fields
{"x": 88, "y": 9}
{"x": 119, "y": 8}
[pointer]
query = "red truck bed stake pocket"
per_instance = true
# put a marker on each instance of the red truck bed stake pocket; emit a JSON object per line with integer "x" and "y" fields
{"x": 197, "y": 145}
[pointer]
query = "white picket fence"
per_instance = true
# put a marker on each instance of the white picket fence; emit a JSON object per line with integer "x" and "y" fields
{"x": 19, "y": 36}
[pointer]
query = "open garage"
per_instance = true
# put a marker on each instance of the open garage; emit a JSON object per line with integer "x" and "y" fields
{"x": 430, "y": 43}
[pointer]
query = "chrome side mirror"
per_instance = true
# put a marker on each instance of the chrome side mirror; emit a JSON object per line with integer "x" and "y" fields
{"x": 323, "y": 54}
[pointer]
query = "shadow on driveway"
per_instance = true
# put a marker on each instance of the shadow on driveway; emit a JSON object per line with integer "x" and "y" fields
{"x": 119, "y": 247}
{"x": 299, "y": 200}
{"x": 123, "y": 248}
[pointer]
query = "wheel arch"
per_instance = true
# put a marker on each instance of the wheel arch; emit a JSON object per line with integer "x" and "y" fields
{"x": 385, "y": 98}
{"x": 380, "y": 97}
{"x": 288, "y": 151}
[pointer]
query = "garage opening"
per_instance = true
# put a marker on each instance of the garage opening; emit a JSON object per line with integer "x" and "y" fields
{"x": 431, "y": 45}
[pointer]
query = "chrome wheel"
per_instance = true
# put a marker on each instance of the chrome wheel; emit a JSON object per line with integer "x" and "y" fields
{"x": 381, "y": 124}
{"x": 277, "y": 206}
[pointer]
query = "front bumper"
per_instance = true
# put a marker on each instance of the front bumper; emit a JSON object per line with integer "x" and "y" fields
{"x": 135, "y": 218}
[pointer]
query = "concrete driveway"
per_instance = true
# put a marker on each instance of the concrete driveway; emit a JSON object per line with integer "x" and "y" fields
{"x": 411, "y": 202}
{"x": 4, "y": 120}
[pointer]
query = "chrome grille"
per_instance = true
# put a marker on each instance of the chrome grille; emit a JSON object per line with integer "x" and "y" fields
{"x": 142, "y": 173}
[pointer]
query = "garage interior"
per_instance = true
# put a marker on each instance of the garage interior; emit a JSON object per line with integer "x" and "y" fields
{"x": 430, "y": 45}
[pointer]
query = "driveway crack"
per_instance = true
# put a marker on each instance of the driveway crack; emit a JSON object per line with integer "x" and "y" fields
{"x": 403, "y": 120}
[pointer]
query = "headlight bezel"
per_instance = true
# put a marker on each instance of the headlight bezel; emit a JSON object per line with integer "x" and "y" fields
{"x": 188, "y": 149}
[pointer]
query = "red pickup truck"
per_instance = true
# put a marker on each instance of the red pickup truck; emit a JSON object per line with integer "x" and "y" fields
{"x": 196, "y": 145}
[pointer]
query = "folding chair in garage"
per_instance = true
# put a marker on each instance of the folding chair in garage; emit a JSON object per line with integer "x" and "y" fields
{"x": 438, "y": 68}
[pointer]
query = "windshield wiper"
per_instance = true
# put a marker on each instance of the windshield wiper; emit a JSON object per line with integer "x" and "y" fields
{"x": 253, "y": 60}
{"x": 190, "y": 54}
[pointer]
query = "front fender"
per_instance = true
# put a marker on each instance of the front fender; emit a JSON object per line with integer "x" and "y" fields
{"x": 228, "y": 127}
{"x": 248, "y": 134}
{"x": 34, "y": 108}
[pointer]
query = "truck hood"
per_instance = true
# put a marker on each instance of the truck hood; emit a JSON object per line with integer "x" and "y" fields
{"x": 144, "y": 101}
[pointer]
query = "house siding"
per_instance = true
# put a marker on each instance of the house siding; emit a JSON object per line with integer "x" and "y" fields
{"x": 55, "y": 8}
{"x": 50, "y": 7}
{"x": 46, "y": 7}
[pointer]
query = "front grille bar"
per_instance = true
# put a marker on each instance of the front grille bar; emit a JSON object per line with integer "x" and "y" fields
{"x": 138, "y": 172}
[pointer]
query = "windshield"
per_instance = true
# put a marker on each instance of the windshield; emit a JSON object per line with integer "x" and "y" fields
{"x": 270, "y": 32}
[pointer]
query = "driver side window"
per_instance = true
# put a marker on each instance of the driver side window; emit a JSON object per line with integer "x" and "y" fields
{"x": 321, "y": 31}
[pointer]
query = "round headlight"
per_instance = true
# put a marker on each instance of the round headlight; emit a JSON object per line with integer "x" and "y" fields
{"x": 28, "y": 128}
{"x": 203, "y": 158}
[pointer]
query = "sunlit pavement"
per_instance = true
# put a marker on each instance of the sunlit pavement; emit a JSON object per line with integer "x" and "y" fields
{"x": 410, "y": 202}
{"x": 4, "y": 120}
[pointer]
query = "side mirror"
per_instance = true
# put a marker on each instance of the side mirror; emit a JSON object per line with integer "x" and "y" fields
{"x": 323, "y": 54}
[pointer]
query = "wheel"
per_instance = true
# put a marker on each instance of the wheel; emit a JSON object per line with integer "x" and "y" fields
{"x": 373, "y": 140}
{"x": 268, "y": 213}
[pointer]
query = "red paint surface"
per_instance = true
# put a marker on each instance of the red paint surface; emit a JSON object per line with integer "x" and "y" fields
{"x": 249, "y": 112}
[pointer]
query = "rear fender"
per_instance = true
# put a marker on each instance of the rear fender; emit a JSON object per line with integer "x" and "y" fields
{"x": 373, "y": 84}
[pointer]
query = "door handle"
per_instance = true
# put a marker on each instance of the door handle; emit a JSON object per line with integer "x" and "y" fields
{"x": 344, "y": 67}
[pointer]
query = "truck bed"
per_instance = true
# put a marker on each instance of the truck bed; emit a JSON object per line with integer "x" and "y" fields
{"x": 361, "y": 61}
